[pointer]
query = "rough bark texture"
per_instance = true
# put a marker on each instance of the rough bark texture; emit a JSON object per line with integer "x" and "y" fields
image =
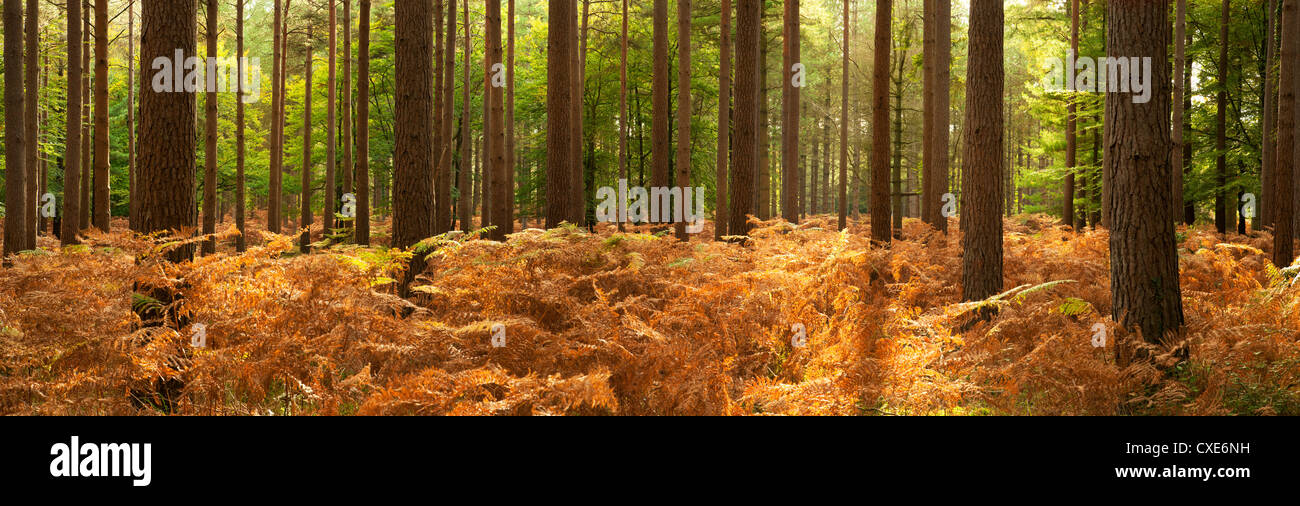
{"x": 1143, "y": 258}
{"x": 683, "y": 165}
{"x": 981, "y": 217}
{"x": 31, "y": 125}
{"x": 880, "y": 217}
{"x": 347, "y": 100}
{"x": 15, "y": 154}
{"x": 790, "y": 180}
{"x": 132, "y": 176}
{"x": 442, "y": 215}
{"x": 102, "y": 207}
{"x": 748, "y": 16}
{"x": 561, "y": 37}
{"x": 660, "y": 105}
{"x": 495, "y": 158}
{"x": 508, "y": 172}
{"x": 413, "y": 142}
{"x": 361, "y": 174}
{"x": 724, "y": 118}
{"x": 72, "y": 137}
{"x": 1284, "y": 187}
{"x": 167, "y": 119}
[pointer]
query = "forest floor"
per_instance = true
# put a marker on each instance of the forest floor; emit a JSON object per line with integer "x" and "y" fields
{"x": 633, "y": 324}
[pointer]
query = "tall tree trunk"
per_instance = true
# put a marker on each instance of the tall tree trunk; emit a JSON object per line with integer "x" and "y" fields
{"x": 495, "y": 156}
{"x": 981, "y": 216}
{"x": 445, "y": 210}
{"x": 72, "y": 139}
{"x": 15, "y": 172}
{"x": 273, "y": 210}
{"x": 942, "y": 80}
{"x": 880, "y": 218}
{"x": 167, "y": 165}
{"x": 466, "y": 202}
{"x": 331, "y": 128}
{"x": 286, "y": 199}
{"x": 748, "y": 29}
{"x": 560, "y": 120}
{"x": 1221, "y": 218}
{"x": 361, "y": 174}
{"x": 623, "y": 118}
{"x": 1284, "y": 186}
{"x": 210, "y": 129}
{"x": 724, "y": 116}
{"x": 844, "y": 126}
{"x": 241, "y": 220}
{"x": 102, "y": 205}
{"x": 507, "y": 199}
{"x": 683, "y": 165}
{"x": 1189, "y": 206}
{"x": 1143, "y": 254}
{"x": 347, "y": 101}
{"x": 131, "y": 175}
{"x": 87, "y": 122}
{"x": 412, "y": 136}
{"x": 791, "y": 204}
{"x": 1269, "y": 148}
{"x": 1176, "y": 135}
{"x": 305, "y": 216}
{"x": 31, "y": 125}
{"x": 763, "y": 202}
{"x": 1071, "y": 126}
{"x": 659, "y": 128}
{"x": 929, "y": 203}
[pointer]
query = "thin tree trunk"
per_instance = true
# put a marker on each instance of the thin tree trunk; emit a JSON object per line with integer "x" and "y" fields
{"x": 724, "y": 114}
{"x": 748, "y": 30}
{"x": 623, "y": 118}
{"x": 102, "y": 206}
{"x": 131, "y": 175}
{"x": 1176, "y": 138}
{"x": 241, "y": 220}
{"x": 210, "y": 130}
{"x": 880, "y": 218}
{"x": 361, "y": 174}
{"x": 844, "y": 126}
{"x": 1071, "y": 127}
{"x": 942, "y": 79}
{"x": 72, "y": 139}
{"x": 87, "y": 122}
{"x": 273, "y": 210}
{"x": 347, "y": 101}
{"x": 331, "y": 128}
{"x": 15, "y": 172}
{"x": 507, "y": 199}
{"x": 495, "y": 157}
{"x": 1284, "y": 186}
{"x": 466, "y": 202}
{"x": 1221, "y": 218}
{"x": 763, "y": 169}
{"x": 445, "y": 210}
{"x": 683, "y": 165}
{"x": 659, "y": 115}
{"x": 791, "y": 204}
{"x": 1269, "y": 148}
{"x": 31, "y": 125}
{"x": 305, "y": 216}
